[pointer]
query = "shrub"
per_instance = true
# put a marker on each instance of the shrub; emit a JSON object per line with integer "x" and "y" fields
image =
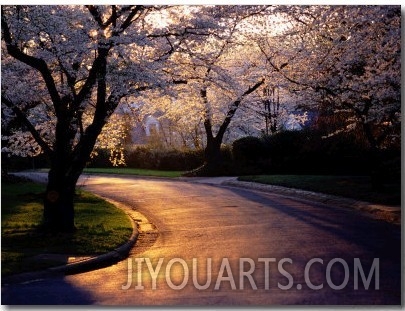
{"x": 164, "y": 159}
{"x": 100, "y": 160}
{"x": 307, "y": 152}
{"x": 248, "y": 150}
{"x": 285, "y": 151}
{"x": 142, "y": 157}
{"x": 248, "y": 155}
{"x": 179, "y": 160}
{"x": 17, "y": 163}
{"x": 226, "y": 153}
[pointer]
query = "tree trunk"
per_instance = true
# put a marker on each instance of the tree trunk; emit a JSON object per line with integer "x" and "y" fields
{"x": 67, "y": 164}
{"x": 213, "y": 164}
{"x": 66, "y": 168}
{"x": 58, "y": 213}
{"x": 376, "y": 171}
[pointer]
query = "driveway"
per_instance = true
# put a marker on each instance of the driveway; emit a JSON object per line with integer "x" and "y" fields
{"x": 203, "y": 244}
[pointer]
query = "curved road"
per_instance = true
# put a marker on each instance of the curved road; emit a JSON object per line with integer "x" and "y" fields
{"x": 230, "y": 246}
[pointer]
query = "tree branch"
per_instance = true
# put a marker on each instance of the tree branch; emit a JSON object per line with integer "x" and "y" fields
{"x": 232, "y": 110}
{"x": 91, "y": 79}
{"x": 96, "y": 14}
{"x": 36, "y": 63}
{"x": 207, "y": 117}
{"x": 23, "y": 118}
{"x": 128, "y": 21}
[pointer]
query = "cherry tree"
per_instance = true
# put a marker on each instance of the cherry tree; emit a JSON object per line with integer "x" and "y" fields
{"x": 219, "y": 78}
{"x": 225, "y": 74}
{"x": 344, "y": 60}
{"x": 65, "y": 69}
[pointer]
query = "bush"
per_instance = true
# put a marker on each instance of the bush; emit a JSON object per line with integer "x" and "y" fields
{"x": 285, "y": 151}
{"x": 307, "y": 152}
{"x": 16, "y": 163}
{"x": 101, "y": 160}
{"x": 223, "y": 167}
{"x": 177, "y": 160}
{"x": 142, "y": 157}
{"x": 162, "y": 159}
{"x": 344, "y": 154}
{"x": 288, "y": 152}
{"x": 248, "y": 155}
{"x": 248, "y": 150}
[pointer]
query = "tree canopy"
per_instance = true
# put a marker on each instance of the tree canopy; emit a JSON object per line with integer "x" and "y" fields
{"x": 211, "y": 69}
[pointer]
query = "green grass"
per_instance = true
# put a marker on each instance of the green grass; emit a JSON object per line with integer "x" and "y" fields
{"x": 356, "y": 187}
{"x": 133, "y": 171}
{"x": 101, "y": 227}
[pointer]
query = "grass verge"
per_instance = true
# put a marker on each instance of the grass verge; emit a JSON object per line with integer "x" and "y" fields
{"x": 101, "y": 227}
{"x": 133, "y": 171}
{"x": 355, "y": 187}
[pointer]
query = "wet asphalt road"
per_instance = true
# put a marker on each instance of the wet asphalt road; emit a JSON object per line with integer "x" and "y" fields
{"x": 205, "y": 245}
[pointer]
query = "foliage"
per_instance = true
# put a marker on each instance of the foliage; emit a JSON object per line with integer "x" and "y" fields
{"x": 11, "y": 163}
{"x": 211, "y": 74}
{"x": 344, "y": 61}
{"x": 309, "y": 152}
{"x": 164, "y": 159}
{"x": 248, "y": 153}
{"x": 221, "y": 76}
{"x": 69, "y": 53}
{"x": 66, "y": 69}
{"x": 145, "y": 157}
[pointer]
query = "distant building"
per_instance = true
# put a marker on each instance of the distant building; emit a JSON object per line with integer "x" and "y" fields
{"x": 151, "y": 125}
{"x": 143, "y": 130}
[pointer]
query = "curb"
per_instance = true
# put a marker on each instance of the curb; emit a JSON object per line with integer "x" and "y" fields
{"x": 391, "y": 214}
{"x": 84, "y": 265}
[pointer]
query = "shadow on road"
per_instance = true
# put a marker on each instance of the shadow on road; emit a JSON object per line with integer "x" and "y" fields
{"x": 378, "y": 237}
{"x": 56, "y": 291}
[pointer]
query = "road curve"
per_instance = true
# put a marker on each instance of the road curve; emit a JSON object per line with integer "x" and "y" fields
{"x": 205, "y": 245}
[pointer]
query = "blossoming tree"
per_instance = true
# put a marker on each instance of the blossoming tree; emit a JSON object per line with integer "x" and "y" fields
{"x": 344, "y": 60}
{"x": 65, "y": 69}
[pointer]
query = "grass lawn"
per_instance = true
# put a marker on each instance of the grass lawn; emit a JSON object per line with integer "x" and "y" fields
{"x": 356, "y": 187}
{"x": 101, "y": 227}
{"x": 133, "y": 171}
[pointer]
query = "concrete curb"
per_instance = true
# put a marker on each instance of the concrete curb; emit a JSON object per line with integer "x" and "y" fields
{"x": 80, "y": 266}
{"x": 391, "y": 214}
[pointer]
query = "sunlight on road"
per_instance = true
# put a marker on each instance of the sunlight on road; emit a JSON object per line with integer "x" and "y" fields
{"x": 202, "y": 245}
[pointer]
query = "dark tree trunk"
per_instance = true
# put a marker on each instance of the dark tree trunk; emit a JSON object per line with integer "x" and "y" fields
{"x": 58, "y": 204}
{"x": 67, "y": 158}
{"x": 66, "y": 167}
{"x": 214, "y": 163}
{"x": 58, "y": 213}
{"x": 376, "y": 170}
{"x": 65, "y": 171}
{"x": 376, "y": 173}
